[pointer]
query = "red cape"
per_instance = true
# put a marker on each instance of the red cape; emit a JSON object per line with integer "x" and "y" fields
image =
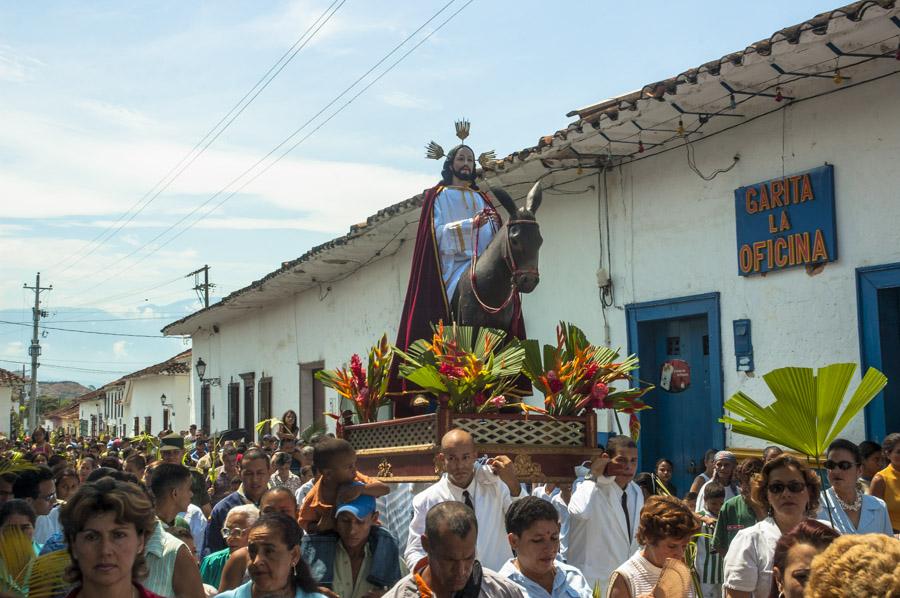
{"x": 426, "y": 298}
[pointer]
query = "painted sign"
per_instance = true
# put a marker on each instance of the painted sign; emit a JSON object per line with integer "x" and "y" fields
{"x": 786, "y": 222}
{"x": 675, "y": 375}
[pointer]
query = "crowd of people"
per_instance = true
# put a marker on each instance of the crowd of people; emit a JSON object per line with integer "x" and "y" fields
{"x": 181, "y": 516}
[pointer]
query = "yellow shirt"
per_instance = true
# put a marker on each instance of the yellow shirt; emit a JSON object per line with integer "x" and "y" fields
{"x": 344, "y": 585}
{"x": 892, "y": 494}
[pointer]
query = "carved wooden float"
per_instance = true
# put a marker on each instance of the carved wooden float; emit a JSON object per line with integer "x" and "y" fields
{"x": 543, "y": 448}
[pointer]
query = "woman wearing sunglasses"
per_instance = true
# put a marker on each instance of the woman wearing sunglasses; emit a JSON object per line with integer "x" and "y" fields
{"x": 851, "y": 511}
{"x": 789, "y": 492}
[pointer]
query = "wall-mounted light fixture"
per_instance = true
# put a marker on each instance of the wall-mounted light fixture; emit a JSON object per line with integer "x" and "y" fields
{"x": 201, "y": 372}
{"x": 169, "y": 406}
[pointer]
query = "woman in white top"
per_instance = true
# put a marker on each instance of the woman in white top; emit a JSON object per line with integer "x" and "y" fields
{"x": 844, "y": 504}
{"x": 666, "y": 527}
{"x": 789, "y": 492}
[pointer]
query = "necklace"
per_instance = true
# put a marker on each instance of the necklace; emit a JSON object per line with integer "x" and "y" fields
{"x": 856, "y": 505}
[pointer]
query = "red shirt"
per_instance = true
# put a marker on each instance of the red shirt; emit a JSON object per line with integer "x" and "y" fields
{"x": 142, "y": 592}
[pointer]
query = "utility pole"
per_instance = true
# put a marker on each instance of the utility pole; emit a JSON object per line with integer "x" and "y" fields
{"x": 202, "y": 286}
{"x": 35, "y": 349}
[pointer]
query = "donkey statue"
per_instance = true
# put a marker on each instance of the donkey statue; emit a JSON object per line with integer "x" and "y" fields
{"x": 488, "y": 291}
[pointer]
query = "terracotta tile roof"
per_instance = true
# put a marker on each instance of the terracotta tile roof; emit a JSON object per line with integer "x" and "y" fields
{"x": 8, "y": 378}
{"x": 179, "y": 364}
{"x": 68, "y": 411}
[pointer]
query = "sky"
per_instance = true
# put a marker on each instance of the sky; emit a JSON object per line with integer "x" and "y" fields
{"x": 103, "y": 103}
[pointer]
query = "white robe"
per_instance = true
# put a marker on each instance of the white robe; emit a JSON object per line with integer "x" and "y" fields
{"x": 454, "y": 210}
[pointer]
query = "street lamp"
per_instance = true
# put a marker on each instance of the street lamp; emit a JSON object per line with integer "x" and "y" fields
{"x": 201, "y": 372}
{"x": 169, "y": 406}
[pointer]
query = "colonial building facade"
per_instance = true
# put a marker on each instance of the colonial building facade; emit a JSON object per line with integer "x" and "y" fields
{"x": 736, "y": 218}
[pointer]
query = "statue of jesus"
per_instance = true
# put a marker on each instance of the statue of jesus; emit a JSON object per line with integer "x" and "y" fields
{"x": 457, "y": 220}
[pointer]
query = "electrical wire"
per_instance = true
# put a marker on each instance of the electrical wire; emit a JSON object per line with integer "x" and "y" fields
{"x": 231, "y": 116}
{"x": 90, "y": 331}
{"x": 282, "y": 144}
{"x": 64, "y": 367}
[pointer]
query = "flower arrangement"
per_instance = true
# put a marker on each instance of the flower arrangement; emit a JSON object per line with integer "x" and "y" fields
{"x": 476, "y": 375}
{"x": 366, "y": 389}
{"x": 576, "y": 376}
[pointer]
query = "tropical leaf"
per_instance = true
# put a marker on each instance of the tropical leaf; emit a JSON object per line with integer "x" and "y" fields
{"x": 47, "y": 579}
{"x": 806, "y": 414}
{"x": 272, "y": 421}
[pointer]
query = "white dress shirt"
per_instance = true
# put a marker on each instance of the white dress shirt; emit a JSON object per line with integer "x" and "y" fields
{"x": 491, "y": 498}
{"x": 599, "y": 540}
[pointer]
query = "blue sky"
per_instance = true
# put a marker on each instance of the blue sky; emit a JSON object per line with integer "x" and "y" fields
{"x": 101, "y": 99}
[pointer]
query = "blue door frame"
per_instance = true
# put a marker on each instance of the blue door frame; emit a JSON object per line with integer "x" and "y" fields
{"x": 682, "y": 307}
{"x": 869, "y": 281}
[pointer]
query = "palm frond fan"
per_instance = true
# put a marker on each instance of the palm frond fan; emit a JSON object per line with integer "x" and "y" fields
{"x": 806, "y": 415}
{"x": 47, "y": 575}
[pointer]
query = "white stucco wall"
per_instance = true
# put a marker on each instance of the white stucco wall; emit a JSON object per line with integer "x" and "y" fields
{"x": 672, "y": 235}
{"x": 5, "y": 405}
{"x": 87, "y": 409}
{"x": 142, "y": 400}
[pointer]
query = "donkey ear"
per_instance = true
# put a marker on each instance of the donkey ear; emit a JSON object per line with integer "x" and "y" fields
{"x": 505, "y": 200}
{"x": 533, "y": 202}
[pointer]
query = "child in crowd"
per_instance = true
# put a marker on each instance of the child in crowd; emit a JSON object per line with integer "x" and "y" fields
{"x": 708, "y": 562}
{"x": 335, "y": 461}
{"x": 690, "y": 499}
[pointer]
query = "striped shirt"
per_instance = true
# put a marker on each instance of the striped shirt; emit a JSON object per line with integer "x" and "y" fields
{"x": 708, "y": 562}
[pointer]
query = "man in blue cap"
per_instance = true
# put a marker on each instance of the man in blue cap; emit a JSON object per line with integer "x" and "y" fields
{"x": 359, "y": 559}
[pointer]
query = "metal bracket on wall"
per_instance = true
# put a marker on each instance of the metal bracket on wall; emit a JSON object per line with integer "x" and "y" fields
{"x": 751, "y": 94}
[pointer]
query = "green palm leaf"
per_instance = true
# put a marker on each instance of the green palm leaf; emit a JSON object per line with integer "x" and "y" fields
{"x": 806, "y": 414}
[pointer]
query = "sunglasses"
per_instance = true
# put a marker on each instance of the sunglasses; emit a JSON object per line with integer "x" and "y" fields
{"x": 842, "y": 465}
{"x": 795, "y": 487}
{"x": 227, "y": 532}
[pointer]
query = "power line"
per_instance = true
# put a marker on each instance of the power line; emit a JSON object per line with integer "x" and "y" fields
{"x": 63, "y": 367}
{"x": 236, "y": 110}
{"x": 89, "y": 331}
{"x": 285, "y": 142}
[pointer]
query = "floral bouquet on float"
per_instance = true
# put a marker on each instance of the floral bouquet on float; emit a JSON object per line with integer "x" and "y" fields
{"x": 476, "y": 374}
{"x": 365, "y": 388}
{"x": 576, "y": 376}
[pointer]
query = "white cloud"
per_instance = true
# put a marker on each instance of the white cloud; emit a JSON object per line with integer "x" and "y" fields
{"x": 14, "y": 349}
{"x": 119, "y": 349}
{"x": 116, "y": 115}
{"x": 16, "y": 67}
{"x": 400, "y": 99}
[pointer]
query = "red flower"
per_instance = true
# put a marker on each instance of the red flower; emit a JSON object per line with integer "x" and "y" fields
{"x": 554, "y": 382}
{"x": 598, "y": 395}
{"x": 591, "y": 370}
{"x": 479, "y": 399}
{"x": 452, "y": 372}
{"x": 356, "y": 369}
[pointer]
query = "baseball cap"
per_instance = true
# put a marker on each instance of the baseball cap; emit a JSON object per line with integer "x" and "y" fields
{"x": 361, "y": 507}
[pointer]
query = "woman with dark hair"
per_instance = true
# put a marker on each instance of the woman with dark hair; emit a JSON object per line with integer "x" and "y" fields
{"x": 106, "y": 525}
{"x": 844, "y": 504}
{"x": 288, "y": 426}
{"x": 85, "y": 466}
{"x": 276, "y": 568}
{"x": 886, "y": 483}
{"x": 39, "y": 442}
{"x": 794, "y": 553}
{"x": 663, "y": 477}
{"x": 533, "y": 528}
{"x": 789, "y": 492}
{"x": 67, "y": 483}
{"x": 17, "y": 513}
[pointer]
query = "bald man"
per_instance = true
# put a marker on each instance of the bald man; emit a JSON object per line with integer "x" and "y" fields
{"x": 487, "y": 488}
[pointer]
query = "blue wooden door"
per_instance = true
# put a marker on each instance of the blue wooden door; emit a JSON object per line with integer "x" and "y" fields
{"x": 878, "y": 289}
{"x": 675, "y": 427}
